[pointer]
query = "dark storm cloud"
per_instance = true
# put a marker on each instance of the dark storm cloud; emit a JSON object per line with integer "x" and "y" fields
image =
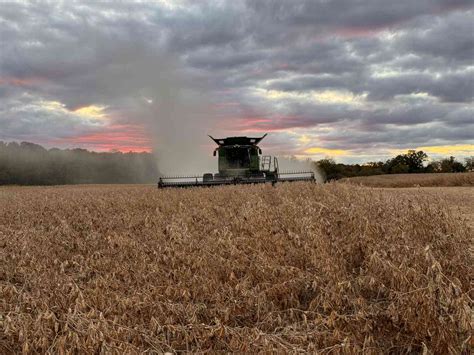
{"x": 399, "y": 64}
{"x": 350, "y": 13}
{"x": 432, "y": 57}
{"x": 277, "y": 21}
{"x": 313, "y": 82}
{"x": 226, "y": 61}
{"x": 203, "y": 24}
{"x": 394, "y": 136}
{"x": 449, "y": 37}
{"x": 450, "y": 87}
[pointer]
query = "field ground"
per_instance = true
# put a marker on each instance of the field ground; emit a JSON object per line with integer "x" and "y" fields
{"x": 299, "y": 267}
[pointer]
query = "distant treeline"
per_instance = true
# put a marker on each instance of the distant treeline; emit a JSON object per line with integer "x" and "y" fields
{"x": 412, "y": 162}
{"x": 31, "y": 164}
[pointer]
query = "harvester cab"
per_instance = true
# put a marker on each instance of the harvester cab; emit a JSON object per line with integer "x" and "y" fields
{"x": 241, "y": 157}
{"x": 240, "y": 161}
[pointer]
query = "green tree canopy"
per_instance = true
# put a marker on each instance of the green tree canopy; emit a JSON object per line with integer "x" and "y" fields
{"x": 411, "y": 162}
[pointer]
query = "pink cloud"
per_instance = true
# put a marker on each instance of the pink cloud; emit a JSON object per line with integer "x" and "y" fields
{"x": 123, "y": 138}
{"x": 20, "y": 81}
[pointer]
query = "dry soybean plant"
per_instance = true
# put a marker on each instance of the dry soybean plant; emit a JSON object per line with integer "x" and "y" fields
{"x": 297, "y": 267}
{"x": 414, "y": 180}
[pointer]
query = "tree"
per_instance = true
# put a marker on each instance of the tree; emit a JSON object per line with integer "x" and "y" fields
{"x": 330, "y": 169}
{"x": 412, "y": 162}
{"x": 433, "y": 167}
{"x": 469, "y": 165}
{"x": 400, "y": 168}
{"x": 450, "y": 165}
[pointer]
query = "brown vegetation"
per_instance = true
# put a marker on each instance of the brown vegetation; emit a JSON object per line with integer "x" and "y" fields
{"x": 413, "y": 180}
{"x": 298, "y": 267}
{"x": 460, "y": 200}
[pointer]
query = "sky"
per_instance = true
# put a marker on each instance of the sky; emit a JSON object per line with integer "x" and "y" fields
{"x": 355, "y": 80}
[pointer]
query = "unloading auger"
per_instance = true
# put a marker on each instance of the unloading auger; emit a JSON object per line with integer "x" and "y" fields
{"x": 240, "y": 161}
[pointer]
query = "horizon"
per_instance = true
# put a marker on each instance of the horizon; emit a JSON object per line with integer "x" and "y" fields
{"x": 357, "y": 83}
{"x": 430, "y": 158}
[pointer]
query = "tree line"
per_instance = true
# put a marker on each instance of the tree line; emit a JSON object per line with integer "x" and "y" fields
{"x": 31, "y": 164}
{"x": 411, "y": 162}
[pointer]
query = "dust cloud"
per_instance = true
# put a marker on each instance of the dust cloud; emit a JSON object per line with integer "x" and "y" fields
{"x": 148, "y": 88}
{"x": 178, "y": 115}
{"x": 292, "y": 164}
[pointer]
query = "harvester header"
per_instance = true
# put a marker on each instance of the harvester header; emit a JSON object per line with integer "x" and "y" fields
{"x": 240, "y": 161}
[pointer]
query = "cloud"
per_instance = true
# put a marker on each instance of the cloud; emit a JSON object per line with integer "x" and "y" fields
{"x": 464, "y": 149}
{"x": 448, "y": 37}
{"x": 325, "y": 151}
{"x": 357, "y": 77}
{"x": 450, "y": 87}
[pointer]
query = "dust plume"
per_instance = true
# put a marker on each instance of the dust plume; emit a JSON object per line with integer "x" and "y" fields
{"x": 289, "y": 163}
{"x": 177, "y": 113}
{"x": 148, "y": 87}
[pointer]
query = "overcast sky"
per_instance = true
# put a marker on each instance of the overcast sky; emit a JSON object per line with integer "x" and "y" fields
{"x": 356, "y": 80}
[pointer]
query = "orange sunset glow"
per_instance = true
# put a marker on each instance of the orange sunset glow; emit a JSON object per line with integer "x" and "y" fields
{"x": 122, "y": 138}
{"x": 20, "y": 81}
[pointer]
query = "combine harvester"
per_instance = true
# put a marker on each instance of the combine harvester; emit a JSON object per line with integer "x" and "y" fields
{"x": 240, "y": 162}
